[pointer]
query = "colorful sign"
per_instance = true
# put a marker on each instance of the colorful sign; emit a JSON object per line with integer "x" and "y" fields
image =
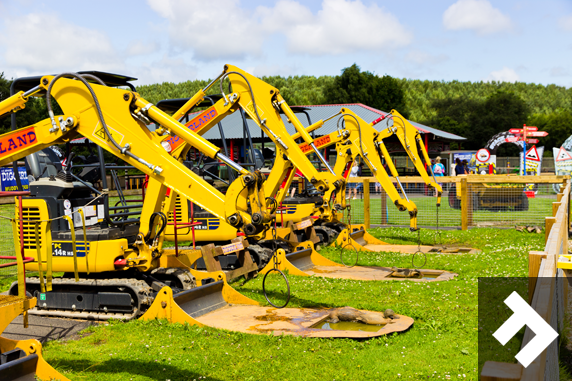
{"x": 9, "y": 180}
{"x": 532, "y": 154}
{"x": 483, "y": 155}
{"x": 533, "y": 161}
{"x": 562, "y": 164}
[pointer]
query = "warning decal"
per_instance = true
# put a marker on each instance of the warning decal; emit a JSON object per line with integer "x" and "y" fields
{"x": 563, "y": 155}
{"x": 99, "y": 133}
{"x": 532, "y": 154}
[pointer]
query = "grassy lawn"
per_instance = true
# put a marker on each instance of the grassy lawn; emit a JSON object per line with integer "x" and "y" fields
{"x": 442, "y": 344}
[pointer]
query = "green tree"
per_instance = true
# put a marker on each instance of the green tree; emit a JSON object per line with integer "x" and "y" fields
{"x": 479, "y": 120}
{"x": 354, "y": 86}
{"x": 557, "y": 124}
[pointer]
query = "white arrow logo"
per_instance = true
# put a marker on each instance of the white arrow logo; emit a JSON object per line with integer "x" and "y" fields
{"x": 525, "y": 315}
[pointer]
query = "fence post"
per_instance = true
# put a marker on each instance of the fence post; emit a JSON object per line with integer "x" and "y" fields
{"x": 555, "y": 206}
{"x": 464, "y": 205}
{"x": 549, "y": 221}
{"x": 366, "y": 214}
{"x": 534, "y": 260}
{"x": 383, "y": 207}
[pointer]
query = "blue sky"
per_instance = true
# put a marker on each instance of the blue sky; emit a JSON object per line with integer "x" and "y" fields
{"x": 178, "y": 40}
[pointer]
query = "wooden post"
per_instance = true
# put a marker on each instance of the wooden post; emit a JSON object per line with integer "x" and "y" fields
{"x": 497, "y": 371}
{"x": 549, "y": 222}
{"x": 555, "y": 206}
{"x": 383, "y": 207}
{"x": 366, "y": 210}
{"x": 464, "y": 205}
{"x": 534, "y": 260}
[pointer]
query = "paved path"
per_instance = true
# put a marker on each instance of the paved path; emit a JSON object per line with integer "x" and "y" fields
{"x": 45, "y": 329}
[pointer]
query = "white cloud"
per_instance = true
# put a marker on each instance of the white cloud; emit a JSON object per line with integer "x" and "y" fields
{"x": 49, "y": 44}
{"x": 341, "y": 26}
{"x": 212, "y": 29}
{"x": 166, "y": 69}
{"x": 140, "y": 48}
{"x": 423, "y": 58}
{"x": 476, "y": 15}
{"x": 504, "y": 75}
{"x": 566, "y": 23}
{"x": 222, "y": 29}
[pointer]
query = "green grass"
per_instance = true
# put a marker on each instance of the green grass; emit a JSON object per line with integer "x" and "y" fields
{"x": 442, "y": 342}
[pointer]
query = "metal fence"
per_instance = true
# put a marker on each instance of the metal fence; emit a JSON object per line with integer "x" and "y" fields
{"x": 491, "y": 201}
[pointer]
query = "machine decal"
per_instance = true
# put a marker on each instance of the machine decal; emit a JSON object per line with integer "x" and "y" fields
{"x": 233, "y": 247}
{"x": 250, "y": 110}
{"x": 303, "y": 224}
{"x": 290, "y": 209}
{"x": 318, "y": 142}
{"x": 99, "y": 133}
{"x": 65, "y": 249}
{"x": 196, "y": 123}
{"x": 207, "y": 223}
{"x": 18, "y": 141}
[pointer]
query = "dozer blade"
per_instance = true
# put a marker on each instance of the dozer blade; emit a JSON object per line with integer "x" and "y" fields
{"x": 22, "y": 359}
{"x": 305, "y": 261}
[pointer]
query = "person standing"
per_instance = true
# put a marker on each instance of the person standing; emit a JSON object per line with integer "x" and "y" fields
{"x": 459, "y": 169}
{"x": 354, "y": 172}
{"x": 438, "y": 168}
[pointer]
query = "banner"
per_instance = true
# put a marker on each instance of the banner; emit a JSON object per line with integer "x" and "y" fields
{"x": 469, "y": 157}
{"x": 8, "y": 180}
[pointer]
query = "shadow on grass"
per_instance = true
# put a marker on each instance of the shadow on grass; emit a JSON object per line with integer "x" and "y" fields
{"x": 278, "y": 298}
{"x": 160, "y": 370}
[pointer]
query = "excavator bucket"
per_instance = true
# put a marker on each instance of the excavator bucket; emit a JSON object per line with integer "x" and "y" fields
{"x": 21, "y": 359}
{"x": 215, "y": 305}
{"x": 305, "y": 261}
{"x": 363, "y": 241}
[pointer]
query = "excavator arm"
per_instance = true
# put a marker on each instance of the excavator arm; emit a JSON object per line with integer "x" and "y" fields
{"x": 411, "y": 140}
{"x": 355, "y": 139}
{"x": 263, "y": 103}
{"x": 115, "y": 120}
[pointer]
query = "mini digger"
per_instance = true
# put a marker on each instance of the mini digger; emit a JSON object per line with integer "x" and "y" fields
{"x": 114, "y": 265}
{"x": 264, "y": 105}
{"x": 116, "y": 268}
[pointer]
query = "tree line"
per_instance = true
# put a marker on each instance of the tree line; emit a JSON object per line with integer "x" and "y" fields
{"x": 475, "y": 110}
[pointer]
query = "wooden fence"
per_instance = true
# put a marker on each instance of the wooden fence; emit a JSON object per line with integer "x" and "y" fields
{"x": 467, "y": 187}
{"x": 548, "y": 295}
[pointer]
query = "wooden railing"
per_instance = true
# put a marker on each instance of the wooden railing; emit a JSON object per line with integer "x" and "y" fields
{"x": 545, "y": 288}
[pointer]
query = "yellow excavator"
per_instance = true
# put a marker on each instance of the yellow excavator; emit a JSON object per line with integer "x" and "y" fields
{"x": 355, "y": 137}
{"x": 123, "y": 272}
{"x": 249, "y": 91}
{"x": 113, "y": 267}
{"x": 264, "y": 104}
